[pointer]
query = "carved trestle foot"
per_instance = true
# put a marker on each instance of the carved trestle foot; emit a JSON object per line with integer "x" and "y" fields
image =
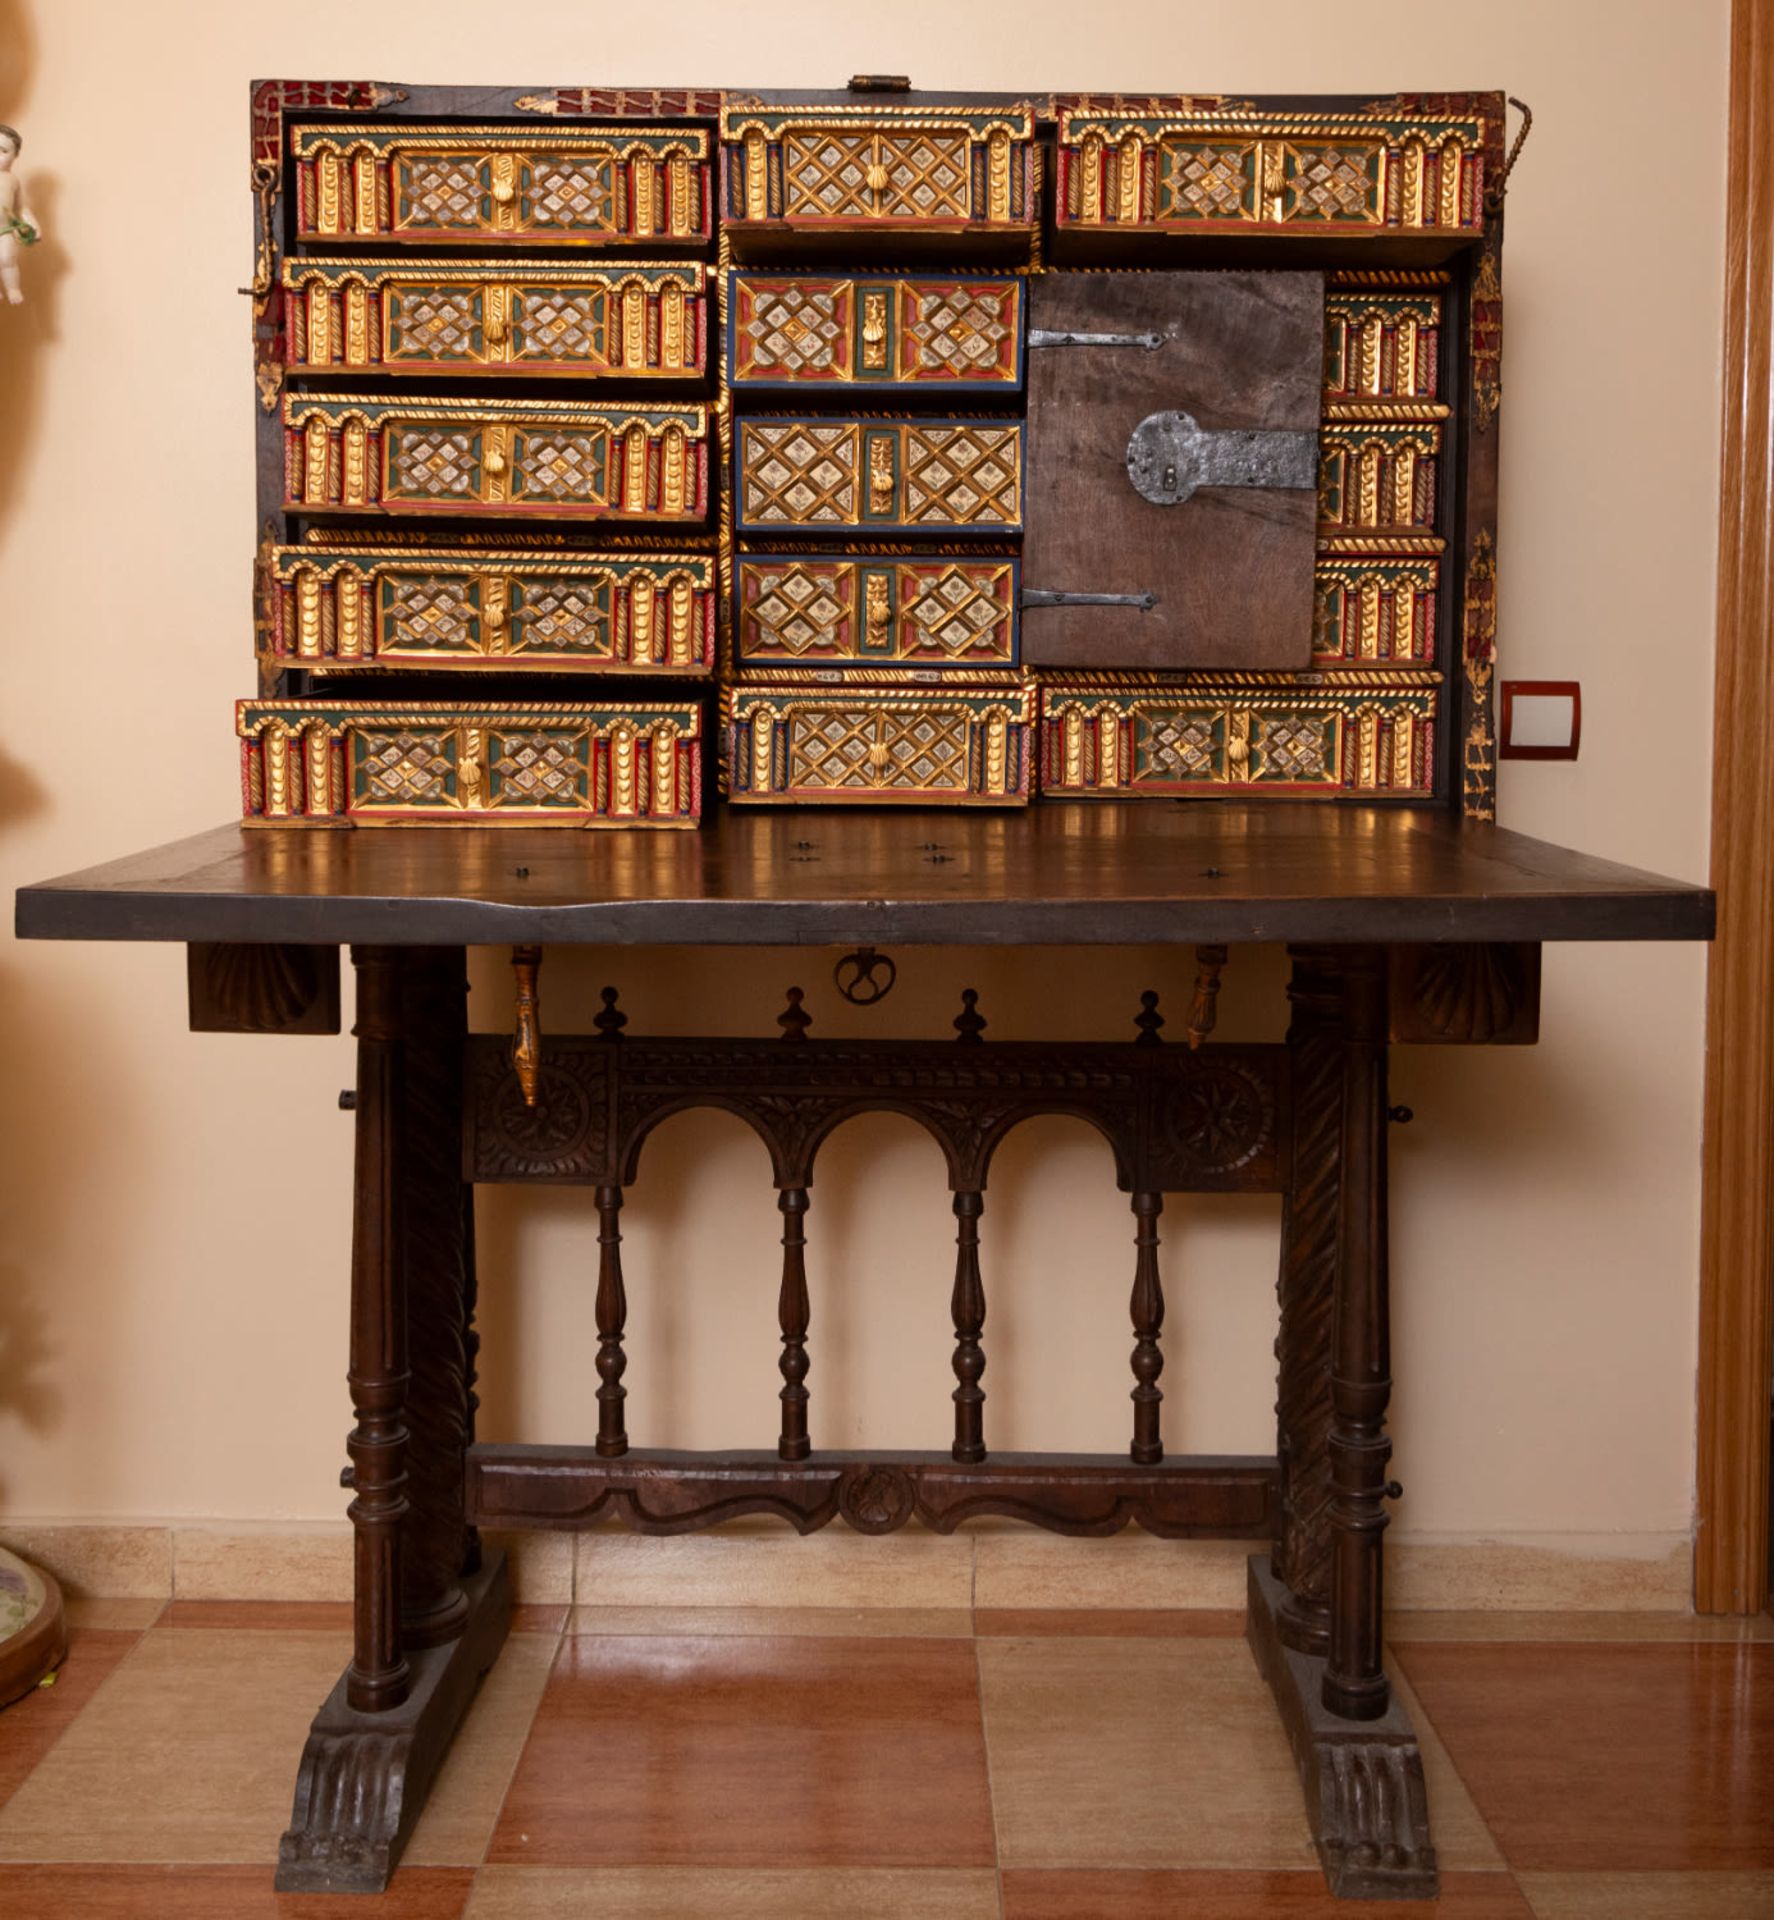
{"x": 1365, "y": 1794}
{"x": 364, "y": 1776}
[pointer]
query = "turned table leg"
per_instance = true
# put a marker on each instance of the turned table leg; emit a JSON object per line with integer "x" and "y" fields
{"x": 1315, "y": 1609}
{"x": 429, "y": 1617}
{"x": 1355, "y": 1683}
{"x": 378, "y": 1376}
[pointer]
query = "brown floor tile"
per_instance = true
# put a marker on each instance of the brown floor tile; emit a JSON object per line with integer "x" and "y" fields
{"x": 261, "y": 1616}
{"x": 1622, "y": 1758}
{"x": 953, "y": 1623}
{"x": 463, "y": 1805}
{"x": 532, "y": 1618}
{"x": 214, "y": 1893}
{"x": 729, "y": 1893}
{"x": 1138, "y": 1753}
{"x": 752, "y": 1752}
{"x": 187, "y": 1754}
{"x": 1113, "y": 1895}
{"x": 1150, "y": 1623}
{"x": 126, "y": 1615}
{"x": 1409, "y": 1628}
{"x": 31, "y": 1726}
{"x": 1649, "y": 1896}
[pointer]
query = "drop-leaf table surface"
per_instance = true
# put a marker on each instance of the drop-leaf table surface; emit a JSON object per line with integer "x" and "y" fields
{"x": 1056, "y": 874}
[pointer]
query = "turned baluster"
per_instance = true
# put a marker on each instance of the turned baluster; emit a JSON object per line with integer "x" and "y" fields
{"x": 1148, "y": 1322}
{"x": 968, "y": 1307}
{"x": 612, "y": 1315}
{"x": 792, "y": 1312}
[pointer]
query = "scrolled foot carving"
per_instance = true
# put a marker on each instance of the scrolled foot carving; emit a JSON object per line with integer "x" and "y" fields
{"x": 1363, "y": 1780}
{"x": 364, "y": 1776}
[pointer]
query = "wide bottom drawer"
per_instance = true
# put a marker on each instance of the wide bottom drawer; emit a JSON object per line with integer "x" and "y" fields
{"x": 796, "y": 737}
{"x": 360, "y": 763}
{"x": 1112, "y": 736}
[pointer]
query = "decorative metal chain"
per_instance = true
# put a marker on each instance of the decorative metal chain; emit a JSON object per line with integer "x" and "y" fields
{"x": 1495, "y": 189}
{"x": 264, "y": 190}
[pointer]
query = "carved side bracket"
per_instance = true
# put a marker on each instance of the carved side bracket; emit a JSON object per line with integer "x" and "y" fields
{"x": 238, "y": 987}
{"x": 1466, "y": 995}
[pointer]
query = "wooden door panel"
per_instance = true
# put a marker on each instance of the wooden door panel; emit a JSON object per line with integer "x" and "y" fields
{"x": 1223, "y": 576}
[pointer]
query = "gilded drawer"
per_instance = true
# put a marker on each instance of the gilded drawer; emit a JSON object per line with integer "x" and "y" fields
{"x": 1110, "y": 736}
{"x": 890, "y": 476}
{"x": 1381, "y": 345}
{"x": 555, "y": 459}
{"x": 366, "y": 763}
{"x": 884, "y": 330}
{"x": 854, "y": 168}
{"x": 1375, "y": 612}
{"x": 1223, "y": 171}
{"x": 1378, "y": 474}
{"x": 566, "y": 186}
{"x": 936, "y": 614}
{"x": 638, "y": 322}
{"x": 810, "y": 737}
{"x": 339, "y": 606}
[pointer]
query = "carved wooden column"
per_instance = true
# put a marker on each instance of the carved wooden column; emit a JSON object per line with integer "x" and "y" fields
{"x": 967, "y": 1308}
{"x": 1309, "y": 1229}
{"x": 1355, "y": 1684}
{"x": 378, "y": 1677}
{"x": 437, "y": 1236}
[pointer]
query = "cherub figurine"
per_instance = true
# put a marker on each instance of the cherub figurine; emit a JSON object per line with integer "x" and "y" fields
{"x": 18, "y": 224}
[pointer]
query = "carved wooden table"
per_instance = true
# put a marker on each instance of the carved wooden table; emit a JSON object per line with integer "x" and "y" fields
{"x": 1400, "y": 926}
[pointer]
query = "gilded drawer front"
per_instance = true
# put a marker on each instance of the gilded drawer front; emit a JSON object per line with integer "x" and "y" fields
{"x": 363, "y": 763}
{"x": 1379, "y": 475}
{"x": 1354, "y": 734}
{"x": 1381, "y": 345}
{"x": 569, "y": 186}
{"x": 938, "y": 614}
{"x": 344, "y": 606}
{"x": 1232, "y": 172}
{"x": 644, "y": 321}
{"x": 1375, "y": 612}
{"x": 848, "y": 168}
{"x": 891, "y": 476}
{"x": 798, "y": 737}
{"x": 560, "y": 459}
{"x": 880, "y": 330}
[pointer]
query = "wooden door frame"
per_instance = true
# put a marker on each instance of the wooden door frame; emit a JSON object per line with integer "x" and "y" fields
{"x": 1737, "y": 1188}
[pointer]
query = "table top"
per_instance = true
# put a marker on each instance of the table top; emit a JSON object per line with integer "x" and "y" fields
{"x": 1056, "y": 874}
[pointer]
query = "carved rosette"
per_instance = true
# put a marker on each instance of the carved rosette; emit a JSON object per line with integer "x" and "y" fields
{"x": 876, "y": 1498}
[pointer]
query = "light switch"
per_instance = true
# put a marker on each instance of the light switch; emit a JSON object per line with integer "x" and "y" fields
{"x": 1541, "y": 720}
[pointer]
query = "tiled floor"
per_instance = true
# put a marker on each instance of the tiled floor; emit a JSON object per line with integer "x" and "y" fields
{"x": 773, "y": 1763}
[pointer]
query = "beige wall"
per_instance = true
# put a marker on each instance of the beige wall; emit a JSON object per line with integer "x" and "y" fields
{"x": 173, "y": 1236}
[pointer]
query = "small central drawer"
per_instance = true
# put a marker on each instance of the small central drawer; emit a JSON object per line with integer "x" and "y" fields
{"x": 919, "y": 615}
{"x": 542, "y": 609}
{"x": 880, "y": 330}
{"x": 337, "y": 763}
{"x": 890, "y": 476}
{"x": 966, "y": 171}
{"x": 644, "y": 321}
{"x": 815, "y": 737}
{"x": 560, "y": 459}
{"x": 447, "y": 182}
